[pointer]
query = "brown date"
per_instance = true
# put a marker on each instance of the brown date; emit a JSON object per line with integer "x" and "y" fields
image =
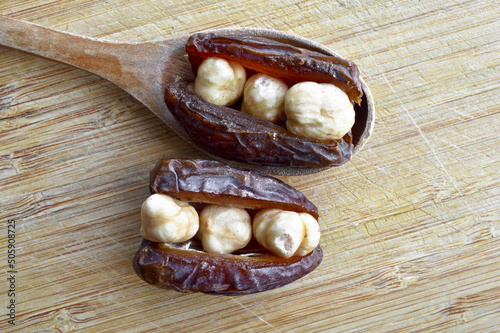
{"x": 236, "y": 136}
{"x": 190, "y": 270}
{"x": 264, "y": 55}
{"x": 185, "y": 267}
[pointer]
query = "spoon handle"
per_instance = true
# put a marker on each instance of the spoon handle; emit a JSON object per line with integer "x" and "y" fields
{"x": 79, "y": 51}
{"x": 138, "y": 68}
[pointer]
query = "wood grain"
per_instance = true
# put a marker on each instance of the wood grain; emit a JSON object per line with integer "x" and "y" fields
{"x": 410, "y": 226}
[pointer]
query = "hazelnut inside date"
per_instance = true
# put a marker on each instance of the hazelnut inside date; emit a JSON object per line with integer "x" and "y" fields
{"x": 234, "y": 204}
{"x": 300, "y": 102}
{"x": 225, "y": 229}
{"x": 320, "y": 111}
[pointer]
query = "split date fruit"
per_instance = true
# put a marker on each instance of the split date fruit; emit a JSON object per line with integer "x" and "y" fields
{"x": 232, "y": 135}
{"x": 186, "y": 267}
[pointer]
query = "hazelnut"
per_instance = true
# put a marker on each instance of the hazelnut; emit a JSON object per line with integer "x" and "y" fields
{"x": 168, "y": 220}
{"x": 311, "y": 235}
{"x": 224, "y": 229}
{"x": 219, "y": 81}
{"x": 264, "y": 97}
{"x": 286, "y": 233}
{"x": 319, "y": 111}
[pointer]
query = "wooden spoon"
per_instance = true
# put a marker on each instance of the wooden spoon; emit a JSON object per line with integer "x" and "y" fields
{"x": 143, "y": 69}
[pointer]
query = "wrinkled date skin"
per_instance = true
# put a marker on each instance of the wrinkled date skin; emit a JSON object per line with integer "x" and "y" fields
{"x": 184, "y": 267}
{"x": 205, "y": 181}
{"x": 184, "y": 270}
{"x": 277, "y": 59}
{"x": 236, "y": 136}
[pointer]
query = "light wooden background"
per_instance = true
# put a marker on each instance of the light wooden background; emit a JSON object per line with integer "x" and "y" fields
{"x": 410, "y": 227}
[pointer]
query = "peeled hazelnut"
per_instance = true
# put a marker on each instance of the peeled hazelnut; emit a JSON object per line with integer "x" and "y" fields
{"x": 219, "y": 81}
{"x": 319, "y": 111}
{"x": 285, "y": 233}
{"x": 311, "y": 235}
{"x": 224, "y": 229}
{"x": 264, "y": 97}
{"x": 168, "y": 220}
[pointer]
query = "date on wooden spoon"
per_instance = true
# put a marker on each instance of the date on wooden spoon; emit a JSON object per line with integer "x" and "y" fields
{"x": 145, "y": 69}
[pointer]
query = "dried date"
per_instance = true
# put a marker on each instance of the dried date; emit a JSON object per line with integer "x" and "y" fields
{"x": 189, "y": 270}
{"x": 185, "y": 267}
{"x": 236, "y": 136}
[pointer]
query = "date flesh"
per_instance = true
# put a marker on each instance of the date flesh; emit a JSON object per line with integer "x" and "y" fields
{"x": 237, "y": 136}
{"x": 185, "y": 267}
{"x": 205, "y": 181}
{"x": 189, "y": 270}
{"x": 264, "y": 55}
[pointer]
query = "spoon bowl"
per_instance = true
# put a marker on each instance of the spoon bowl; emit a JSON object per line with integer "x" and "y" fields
{"x": 143, "y": 69}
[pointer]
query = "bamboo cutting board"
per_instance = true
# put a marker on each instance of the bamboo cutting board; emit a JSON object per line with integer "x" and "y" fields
{"x": 410, "y": 226}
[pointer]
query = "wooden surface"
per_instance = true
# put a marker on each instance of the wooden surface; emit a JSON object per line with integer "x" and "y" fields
{"x": 410, "y": 227}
